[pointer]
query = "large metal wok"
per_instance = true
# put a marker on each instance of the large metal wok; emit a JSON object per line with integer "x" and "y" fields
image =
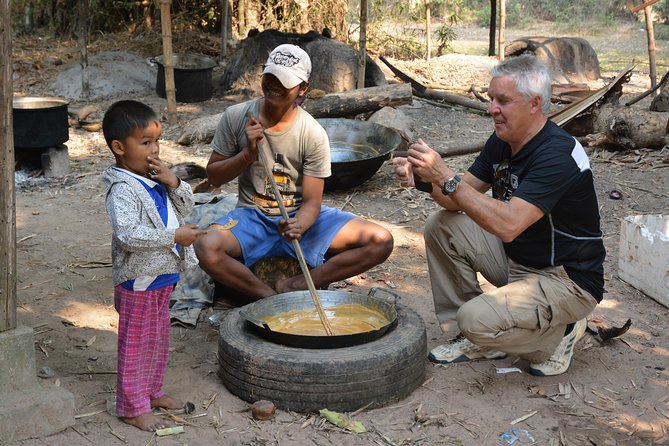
{"x": 257, "y": 312}
{"x": 357, "y": 150}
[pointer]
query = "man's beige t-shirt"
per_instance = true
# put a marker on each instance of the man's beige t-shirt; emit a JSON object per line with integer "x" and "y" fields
{"x": 301, "y": 149}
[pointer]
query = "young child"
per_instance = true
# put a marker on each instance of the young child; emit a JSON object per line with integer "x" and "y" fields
{"x": 146, "y": 204}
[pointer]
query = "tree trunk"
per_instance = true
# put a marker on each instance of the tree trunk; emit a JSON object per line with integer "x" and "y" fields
{"x": 354, "y": 102}
{"x": 7, "y": 194}
{"x": 334, "y": 105}
{"x": 452, "y": 98}
{"x": 628, "y": 128}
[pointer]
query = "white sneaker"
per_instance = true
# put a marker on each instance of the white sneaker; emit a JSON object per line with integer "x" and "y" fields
{"x": 560, "y": 360}
{"x": 461, "y": 349}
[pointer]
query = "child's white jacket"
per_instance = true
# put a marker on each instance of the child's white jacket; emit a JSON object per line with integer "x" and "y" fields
{"x": 141, "y": 244}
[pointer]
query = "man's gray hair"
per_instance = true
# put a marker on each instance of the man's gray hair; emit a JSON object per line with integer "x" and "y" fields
{"x": 532, "y": 76}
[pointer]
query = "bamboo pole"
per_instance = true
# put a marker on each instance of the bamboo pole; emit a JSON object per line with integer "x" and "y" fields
{"x": 502, "y": 29}
{"x": 7, "y": 193}
{"x": 493, "y": 27}
{"x": 224, "y": 29}
{"x": 296, "y": 244}
{"x": 170, "y": 90}
{"x": 428, "y": 31}
{"x": 362, "y": 57}
{"x": 650, "y": 34}
{"x": 83, "y": 47}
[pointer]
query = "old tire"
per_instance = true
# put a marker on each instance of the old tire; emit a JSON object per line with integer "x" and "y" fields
{"x": 306, "y": 380}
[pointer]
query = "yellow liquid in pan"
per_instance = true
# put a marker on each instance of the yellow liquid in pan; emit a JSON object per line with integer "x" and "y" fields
{"x": 344, "y": 320}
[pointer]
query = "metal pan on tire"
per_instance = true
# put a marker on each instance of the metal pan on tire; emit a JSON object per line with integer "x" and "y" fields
{"x": 258, "y": 312}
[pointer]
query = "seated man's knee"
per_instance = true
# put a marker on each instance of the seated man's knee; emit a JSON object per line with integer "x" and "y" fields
{"x": 438, "y": 222}
{"x": 475, "y": 320}
{"x": 383, "y": 242}
{"x": 205, "y": 251}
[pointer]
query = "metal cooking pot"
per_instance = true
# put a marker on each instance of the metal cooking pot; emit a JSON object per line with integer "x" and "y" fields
{"x": 192, "y": 77}
{"x": 357, "y": 150}
{"x": 256, "y": 313}
{"x": 39, "y": 122}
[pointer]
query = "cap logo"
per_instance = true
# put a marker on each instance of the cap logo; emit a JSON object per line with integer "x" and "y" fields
{"x": 285, "y": 59}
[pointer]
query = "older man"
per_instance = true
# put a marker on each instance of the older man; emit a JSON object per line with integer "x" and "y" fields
{"x": 537, "y": 238}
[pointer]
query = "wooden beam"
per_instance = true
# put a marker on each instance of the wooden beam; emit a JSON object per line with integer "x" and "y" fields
{"x": 7, "y": 194}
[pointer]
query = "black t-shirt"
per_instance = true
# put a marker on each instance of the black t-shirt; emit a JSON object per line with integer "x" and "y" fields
{"x": 552, "y": 171}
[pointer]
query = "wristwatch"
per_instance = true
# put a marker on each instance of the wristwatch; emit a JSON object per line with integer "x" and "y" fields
{"x": 451, "y": 185}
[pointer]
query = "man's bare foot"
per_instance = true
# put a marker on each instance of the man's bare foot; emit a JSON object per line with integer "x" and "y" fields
{"x": 146, "y": 422}
{"x": 167, "y": 402}
{"x": 296, "y": 283}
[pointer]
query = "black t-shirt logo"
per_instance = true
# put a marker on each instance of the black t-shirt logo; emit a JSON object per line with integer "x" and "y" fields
{"x": 505, "y": 182}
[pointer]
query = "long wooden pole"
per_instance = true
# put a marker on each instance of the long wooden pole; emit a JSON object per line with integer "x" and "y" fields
{"x": 428, "y": 30}
{"x": 650, "y": 33}
{"x": 296, "y": 245}
{"x": 493, "y": 27}
{"x": 502, "y": 29}
{"x": 7, "y": 194}
{"x": 224, "y": 29}
{"x": 83, "y": 48}
{"x": 170, "y": 90}
{"x": 362, "y": 56}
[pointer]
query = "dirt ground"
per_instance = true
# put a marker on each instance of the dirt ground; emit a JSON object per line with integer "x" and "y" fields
{"x": 616, "y": 392}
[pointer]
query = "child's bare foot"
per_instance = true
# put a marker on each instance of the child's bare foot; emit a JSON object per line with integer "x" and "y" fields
{"x": 146, "y": 422}
{"x": 167, "y": 402}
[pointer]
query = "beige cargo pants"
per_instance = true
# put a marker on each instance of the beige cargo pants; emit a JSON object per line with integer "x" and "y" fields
{"x": 525, "y": 315}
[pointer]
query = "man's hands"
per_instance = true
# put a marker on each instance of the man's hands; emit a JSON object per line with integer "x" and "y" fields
{"x": 254, "y": 133}
{"x": 428, "y": 164}
{"x": 291, "y": 229}
{"x": 187, "y": 234}
{"x": 424, "y": 162}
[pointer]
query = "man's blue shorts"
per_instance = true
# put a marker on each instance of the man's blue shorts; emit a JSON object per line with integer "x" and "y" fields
{"x": 258, "y": 234}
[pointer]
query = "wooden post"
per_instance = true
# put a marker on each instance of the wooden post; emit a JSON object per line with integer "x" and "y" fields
{"x": 428, "y": 31}
{"x": 650, "y": 34}
{"x": 7, "y": 194}
{"x": 83, "y": 47}
{"x": 170, "y": 91}
{"x": 241, "y": 18}
{"x": 502, "y": 29}
{"x": 493, "y": 27}
{"x": 362, "y": 57}
{"x": 224, "y": 29}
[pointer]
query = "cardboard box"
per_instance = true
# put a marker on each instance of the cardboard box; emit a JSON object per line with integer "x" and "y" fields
{"x": 644, "y": 255}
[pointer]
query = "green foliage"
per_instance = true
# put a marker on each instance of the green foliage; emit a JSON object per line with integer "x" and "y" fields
{"x": 60, "y": 16}
{"x": 446, "y": 35}
{"x": 661, "y": 32}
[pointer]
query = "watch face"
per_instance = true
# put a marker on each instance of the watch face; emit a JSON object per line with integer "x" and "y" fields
{"x": 451, "y": 185}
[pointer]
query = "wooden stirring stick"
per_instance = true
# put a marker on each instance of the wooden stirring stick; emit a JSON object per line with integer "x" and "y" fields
{"x": 296, "y": 244}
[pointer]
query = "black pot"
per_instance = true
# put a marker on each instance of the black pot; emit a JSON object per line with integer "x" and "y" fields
{"x": 39, "y": 122}
{"x": 192, "y": 77}
{"x": 357, "y": 150}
